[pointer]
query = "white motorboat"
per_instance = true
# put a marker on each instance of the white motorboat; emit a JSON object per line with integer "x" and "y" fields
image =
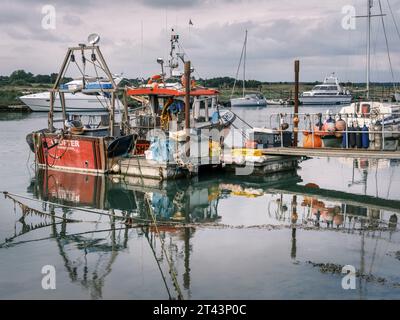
{"x": 370, "y": 113}
{"x": 329, "y": 92}
{"x": 397, "y": 96}
{"x": 77, "y": 99}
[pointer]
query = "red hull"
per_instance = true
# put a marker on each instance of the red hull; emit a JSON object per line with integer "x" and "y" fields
{"x": 71, "y": 152}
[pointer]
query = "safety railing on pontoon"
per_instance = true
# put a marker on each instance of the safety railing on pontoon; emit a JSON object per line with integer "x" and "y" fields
{"x": 387, "y": 121}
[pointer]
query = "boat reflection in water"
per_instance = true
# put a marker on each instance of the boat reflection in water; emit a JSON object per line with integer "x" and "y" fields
{"x": 181, "y": 208}
{"x": 180, "y": 200}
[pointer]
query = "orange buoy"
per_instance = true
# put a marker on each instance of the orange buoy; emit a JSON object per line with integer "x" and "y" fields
{"x": 312, "y": 185}
{"x": 312, "y": 141}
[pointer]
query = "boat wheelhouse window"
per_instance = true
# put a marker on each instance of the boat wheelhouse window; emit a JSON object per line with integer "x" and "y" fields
{"x": 326, "y": 88}
{"x": 326, "y": 94}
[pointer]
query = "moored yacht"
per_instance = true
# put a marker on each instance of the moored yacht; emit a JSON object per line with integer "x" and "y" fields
{"x": 250, "y": 100}
{"x": 329, "y": 92}
{"x": 79, "y": 98}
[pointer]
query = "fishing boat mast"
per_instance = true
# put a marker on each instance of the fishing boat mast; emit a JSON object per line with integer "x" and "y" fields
{"x": 370, "y": 5}
{"x": 369, "y": 17}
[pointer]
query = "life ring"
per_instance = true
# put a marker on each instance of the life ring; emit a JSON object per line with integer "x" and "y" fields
{"x": 155, "y": 79}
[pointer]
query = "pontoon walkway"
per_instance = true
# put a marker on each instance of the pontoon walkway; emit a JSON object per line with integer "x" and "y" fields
{"x": 332, "y": 152}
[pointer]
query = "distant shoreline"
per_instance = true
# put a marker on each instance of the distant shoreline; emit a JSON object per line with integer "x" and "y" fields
{"x": 9, "y": 95}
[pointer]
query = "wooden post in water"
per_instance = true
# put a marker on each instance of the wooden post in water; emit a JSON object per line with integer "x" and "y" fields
{"x": 296, "y": 102}
{"x": 294, "y": 218}
{"x": 187, "y": 106}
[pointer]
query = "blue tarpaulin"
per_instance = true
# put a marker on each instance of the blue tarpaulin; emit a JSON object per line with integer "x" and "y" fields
{"x": 162, "y": 149}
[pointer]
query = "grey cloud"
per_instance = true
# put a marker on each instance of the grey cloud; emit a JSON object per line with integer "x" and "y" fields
{"x": 184, "y": 4}
{"x": 72, "y": 20}
{"x": 171, "y": 3}
{"x": 279, "y": 32}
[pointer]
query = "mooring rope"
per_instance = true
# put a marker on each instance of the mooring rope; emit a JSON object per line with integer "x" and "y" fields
{"x": 62, "y": 206}
{"x": 26, "y": 210}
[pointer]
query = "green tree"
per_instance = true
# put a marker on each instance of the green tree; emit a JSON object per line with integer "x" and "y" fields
{"x": 42, "y": 78}
{"x": 21, "y": 75}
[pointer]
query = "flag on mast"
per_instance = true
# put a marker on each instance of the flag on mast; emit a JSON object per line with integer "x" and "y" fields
{"x": 190, "y": 22}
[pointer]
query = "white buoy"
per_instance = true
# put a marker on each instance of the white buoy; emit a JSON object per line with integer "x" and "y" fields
{"x": 115, "y": 168}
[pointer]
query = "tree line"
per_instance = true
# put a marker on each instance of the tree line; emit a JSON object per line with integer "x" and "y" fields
{"x": 23, "y": 78}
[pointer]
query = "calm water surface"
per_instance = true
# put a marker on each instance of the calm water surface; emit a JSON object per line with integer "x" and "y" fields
{"x": 266, "y": 238}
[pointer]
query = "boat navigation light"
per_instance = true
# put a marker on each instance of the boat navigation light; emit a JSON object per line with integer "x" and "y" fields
{"x": 93, "y": 38}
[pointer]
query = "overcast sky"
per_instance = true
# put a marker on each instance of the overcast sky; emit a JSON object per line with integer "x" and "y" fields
{"x": 280, "y": 31}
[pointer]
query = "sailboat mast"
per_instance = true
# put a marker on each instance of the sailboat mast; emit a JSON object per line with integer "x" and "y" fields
{"x": 244, "y": 64}
{"x": 370, "y": 5}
